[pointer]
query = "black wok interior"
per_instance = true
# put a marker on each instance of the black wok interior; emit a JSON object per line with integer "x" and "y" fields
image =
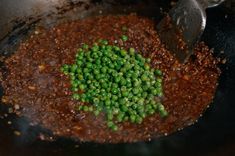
{"x": 213, "y": 134}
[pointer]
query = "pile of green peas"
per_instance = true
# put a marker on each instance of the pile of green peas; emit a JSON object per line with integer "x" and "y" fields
{"x": 116, "y": 82}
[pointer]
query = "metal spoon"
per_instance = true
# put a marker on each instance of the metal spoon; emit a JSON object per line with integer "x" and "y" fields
{"x": 181, "y": 29}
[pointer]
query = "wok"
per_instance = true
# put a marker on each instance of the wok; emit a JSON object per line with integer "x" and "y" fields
{"x": 213, "y": 134}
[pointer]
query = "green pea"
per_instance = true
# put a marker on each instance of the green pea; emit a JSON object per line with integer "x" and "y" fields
{"x": 124, "y": 108}
{"x": 80, "y": 108}
{"x": 139, "y": 95}
{"x": 114, "y": 90}
{"x": 71, "y": 74}
{"x": 158, "y": 85}
{"x": 65, "y": 67}
{"x": 80, "y": 50}
{"x": 141, "y": 101}
{"x": 105, "y": 42}
{"x": 120, "y": 117}
{"x": 144, "y": 94}
{"x": 144, "y": 77}
{"x": 132, "y": 51}
{"x": 148, "y": 107}
{"x": 123, "y": 52}
{"x": 125, "y": 93}
{"x": 116, "y": 105}
{"x": 114, "y": 128}
{"x": 146, "y": 66}
{"x": 126, "y": 118}
{"x": 117, "y": 79}
{"x": 76, "y": 96}
{"x": 95, "y": 48}
{"x": 124, "y": 38}
{"x": 135, "y": 98}
{"x": 89, "y": 65}
{"x": 110, "y": 116}
{"x": 114, "y": 74}
{"x": 74, "y": 89}
{"x": 96, "y": 100}
{"x": 79, "y": 63}
{"x": 111, "y": 65}
{"x": 80, "y": 77}
{"x": 136, "y": 83}
{"x": 110, "y": 71}
{"x": 110, "y": 124}
{"x": 148, "y": 60}
{"x": 133, "y": 118}
{"x": 128, "y": 75}
{"x": 160, "y": 107}
{"x": 142, "y": 114}
{"x": 151, "y": 111}
{"x": 96, "y": 72}
{"x": 104, "y": 69}
{"x": 140, "y": 109}
{"x": 135, "y": 106}
{"x": 134, "y": 76}
{"x": 116, "y": 48}
{"x": 154, "y": 106}
{"x": 160, "y": 94}
{"x": 85, "y": 46}
{"x": 73, "y": 68}
{"x": 82, "y": 86}
{"x": 139, "y": 57}
{"x": 163, "y": 113}
{"x": 130, "y": 95}
{"x": 158, "y": 72}
{"x": 105, "y": 85}
{"x": 129, "y": 84}
{"x": 96, "y": 112}
{"x": 123, "y": 81}
{"x": 128, "y": 104}
{"x": 74, "y": 82}
{"x": 109, "y": 95}
{"x": 90, "y": 109}
{"x": 85, "y": 108}
{"x": 107, "y": 102}
{"x": 135, "y": 91}
{"x": 116, "y": 110}
{"x": 139, "y": 120}
{"x": 97, "y": 62}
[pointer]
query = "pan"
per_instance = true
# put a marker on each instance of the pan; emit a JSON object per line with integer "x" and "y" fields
{"x": 213, "y": 134}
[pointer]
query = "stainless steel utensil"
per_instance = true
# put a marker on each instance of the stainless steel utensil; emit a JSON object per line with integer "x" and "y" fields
{"x": 183, "y": 26}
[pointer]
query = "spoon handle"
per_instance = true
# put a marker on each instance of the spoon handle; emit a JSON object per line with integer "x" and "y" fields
{"x": 210, "y": 3}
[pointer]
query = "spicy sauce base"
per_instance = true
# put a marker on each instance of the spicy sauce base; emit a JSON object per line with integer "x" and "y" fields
{"x": 36, "y": 84}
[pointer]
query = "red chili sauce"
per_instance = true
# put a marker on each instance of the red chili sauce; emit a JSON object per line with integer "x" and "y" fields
{"x": 36, "y": 84}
